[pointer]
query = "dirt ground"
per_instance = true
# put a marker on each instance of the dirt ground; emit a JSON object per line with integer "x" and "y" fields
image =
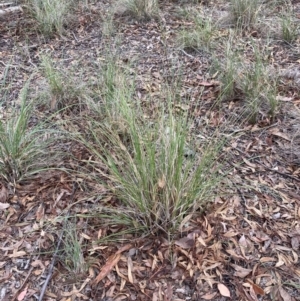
{"x": 247, "y": 244}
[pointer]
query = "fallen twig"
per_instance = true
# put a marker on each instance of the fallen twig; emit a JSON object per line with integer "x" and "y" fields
{"x": 51, "y": 268}
{"x": 190, "y": 56}
{"x": 55, "y": 253}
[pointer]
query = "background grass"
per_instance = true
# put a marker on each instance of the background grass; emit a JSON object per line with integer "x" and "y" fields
{"x": 24, "y": 148}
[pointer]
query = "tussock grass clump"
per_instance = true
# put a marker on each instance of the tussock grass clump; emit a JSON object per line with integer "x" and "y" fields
{"x": 290, "y": 28}
{"x": 200, "y": 37}
{"x": 138, "y": 9}
{"x": 51, "y": 15}
{"x": 244, "y": 12}
{"x": 158, "y": 183}
{"x": 64, "y": 91}
{"x": 227, "y": 73}
{"x": 72, "y": 252}
{"x": 260, "y": 90}
{"x": 24, "y": 150}
{"x": 252, "y": 82}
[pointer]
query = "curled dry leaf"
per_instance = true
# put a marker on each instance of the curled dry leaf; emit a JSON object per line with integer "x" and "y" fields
{"x": 3, "y": 194}
{"x": 224, "y": 291}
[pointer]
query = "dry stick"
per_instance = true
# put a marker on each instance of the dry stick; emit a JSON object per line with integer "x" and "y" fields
{"x": 51, "y": 268}
{"x": 190, "y": 56}
{"x": 55, "y": 254}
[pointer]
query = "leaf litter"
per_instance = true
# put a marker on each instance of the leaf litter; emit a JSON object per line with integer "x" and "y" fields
{"x": 246, "y": 246}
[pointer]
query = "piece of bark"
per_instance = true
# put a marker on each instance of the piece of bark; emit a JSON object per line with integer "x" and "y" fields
{"x": 10, "y": 10}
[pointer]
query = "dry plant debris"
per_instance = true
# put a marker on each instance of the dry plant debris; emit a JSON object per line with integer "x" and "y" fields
{"x": 247, "y": 244}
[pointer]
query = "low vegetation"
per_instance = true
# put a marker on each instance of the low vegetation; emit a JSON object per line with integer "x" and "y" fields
{"x": 24, "y": 147}
{"x": 290, "y": 28}
{"x": 64, "y": 91}
{"x": 244, "y": 12}
{"x": 200, "y": 37}
{"x": 139, "y": 9}
{"x": 161, "y": 124}
{"x": 51, "y": 15}
{"x": 150, "y": 167}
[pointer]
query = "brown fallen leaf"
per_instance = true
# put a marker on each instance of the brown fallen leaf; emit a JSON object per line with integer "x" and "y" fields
{"x": 4, "y": 206}
{"x": 3, "y": 194}
{"x": 274, "y": 293}
{"x": 230, "y": 233}
{"x": 130, "y": 269}
{"x": 248, "y": 295}
{"x": 234, "y": 255}
{"x": 295, "y": 242}
{"x": 156, "y": 75}
{"x": 284, "y": 294}
{"x": 111, "y": 262}
{"x": 252, "y": 294}
{"x": 185, "y": 243}
{"x": 208, "y": 296}
{"x": 250, "y": 164}
{"x": 256, "y": 288}
{"x": 124, "y": 248}
{"x": 22, "y": 295}
{"x": 240, "y": 271}
{"x": 182, "y": 107}
{"x": 283, "y": 98}
{"x": 40, "y": 212}
{"x": 243, "y": 241}
{"x": 224, "y": 291}
{"x": 267, "y": 259}
{"x": 209, "y": 84}
{"x": 161, "y": 183}
{"x": 276, "y": 132}
{"x": 121, "y": 297}
{"x": 16, "y": 254}
{"x": 169, "y": 293}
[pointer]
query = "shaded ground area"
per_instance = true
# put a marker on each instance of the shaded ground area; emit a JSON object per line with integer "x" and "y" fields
{"x": 245, "y": 246}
